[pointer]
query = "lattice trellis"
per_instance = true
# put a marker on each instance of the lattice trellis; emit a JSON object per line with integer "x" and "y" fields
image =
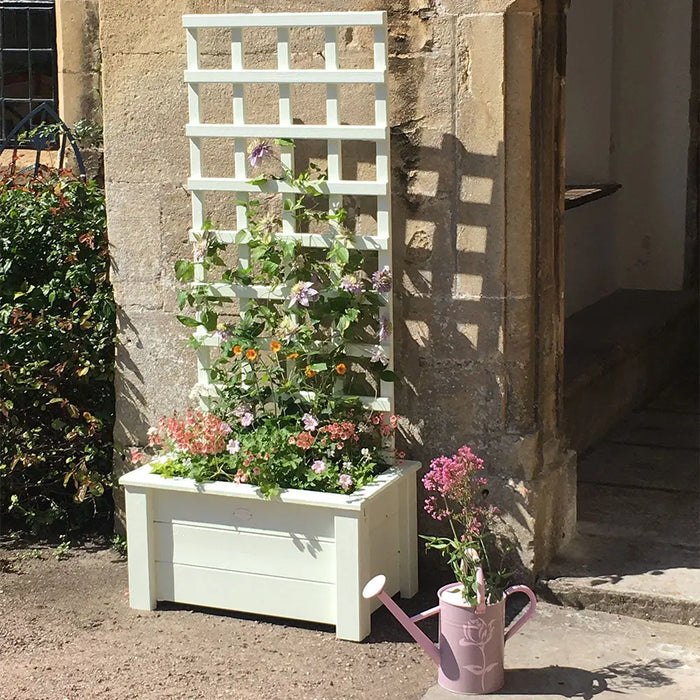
{"x": 333, "y": 131}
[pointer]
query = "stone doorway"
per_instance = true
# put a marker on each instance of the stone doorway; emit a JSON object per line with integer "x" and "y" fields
{"x": 631, "y": 302}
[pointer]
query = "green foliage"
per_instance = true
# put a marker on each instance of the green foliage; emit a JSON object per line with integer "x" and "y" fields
{"x": 57, "y": 326}
{"x": 465, "y": 554}
{"x": 119, "y": 545}
{"x": 63, "y": 549}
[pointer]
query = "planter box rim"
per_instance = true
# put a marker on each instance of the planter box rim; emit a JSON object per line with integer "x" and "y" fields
{"x": 143, "y": 478}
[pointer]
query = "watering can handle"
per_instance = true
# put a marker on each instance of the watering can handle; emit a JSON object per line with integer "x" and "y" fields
{"x": 527, "y": 614}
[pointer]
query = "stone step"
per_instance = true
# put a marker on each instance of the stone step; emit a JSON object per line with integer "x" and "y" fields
{"x": 619, "y": 353}
{"x": 654, "y": 581}
{"x": 681, "y": 397}
{"x": 641, "y": 466}
{"x": 659, "y": 429}
{"x": 654, "y": 515}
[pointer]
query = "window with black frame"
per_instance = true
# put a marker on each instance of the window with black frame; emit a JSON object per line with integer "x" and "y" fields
{"x": 28, "y": 70}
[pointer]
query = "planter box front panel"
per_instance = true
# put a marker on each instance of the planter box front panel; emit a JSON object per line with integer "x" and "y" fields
{"x": 255, "y": 552}
{"x": 256, "y": 515}
{"x": 219, "y": 552}
{"x": 250, "y": 593}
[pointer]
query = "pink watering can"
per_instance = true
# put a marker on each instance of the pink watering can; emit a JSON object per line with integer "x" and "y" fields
{"x": 470, "y": 653}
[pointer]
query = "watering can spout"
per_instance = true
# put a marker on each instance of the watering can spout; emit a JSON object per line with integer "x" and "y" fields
{"x": 375, "y": 588}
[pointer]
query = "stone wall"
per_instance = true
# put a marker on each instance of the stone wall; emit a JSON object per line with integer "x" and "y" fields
{"x": 478, "y": 298}
{"x": 79, "y": 60}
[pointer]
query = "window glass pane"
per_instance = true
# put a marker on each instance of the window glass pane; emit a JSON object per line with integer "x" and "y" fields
{"x": 14, "y": 112}
{"x": 15, "y": 68}
{"x": 13, "y": 24}
{"x": 41, "y": 29}
{"x": 42, "y": 74}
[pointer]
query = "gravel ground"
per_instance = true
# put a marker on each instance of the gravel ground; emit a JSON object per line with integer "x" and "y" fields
{"x": 67, "y": 632}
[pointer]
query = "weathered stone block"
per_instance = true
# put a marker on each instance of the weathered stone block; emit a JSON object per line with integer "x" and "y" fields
{"x": 133, "y": 219}
{"x": 154, "y": 372}
{"x": 141, "y": 28}
{"x": 145, "y": 112}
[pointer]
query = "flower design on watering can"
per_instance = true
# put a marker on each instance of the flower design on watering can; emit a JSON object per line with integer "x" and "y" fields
{"x": 478, "y": 633}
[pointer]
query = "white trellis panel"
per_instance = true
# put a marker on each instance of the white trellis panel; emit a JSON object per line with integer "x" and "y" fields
{"x": 334, "y": 132}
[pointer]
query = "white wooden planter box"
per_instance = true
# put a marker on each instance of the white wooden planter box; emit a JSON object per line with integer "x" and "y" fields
{"x": 305, "y": 555}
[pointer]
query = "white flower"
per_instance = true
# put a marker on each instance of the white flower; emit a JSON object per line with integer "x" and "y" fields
{"x": 198, "y": 391}
{"x": 378, "y": 355}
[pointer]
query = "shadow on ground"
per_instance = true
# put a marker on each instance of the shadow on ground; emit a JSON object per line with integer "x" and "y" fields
{"x": 568, "y": 682}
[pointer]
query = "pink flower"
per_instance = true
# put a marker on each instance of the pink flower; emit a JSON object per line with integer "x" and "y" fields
{"x": 319, "y": 466}
{"x": 246, "y": 419}
{"x": 345, "y": 481}
{"x": 225, "y": 428}
{"x": 304, "y": 440}
{"x": 310, "y": 422}
{"x": 136, "y": 455}
{"x": 233, "y": 446}
{"x": 454, "y": 487}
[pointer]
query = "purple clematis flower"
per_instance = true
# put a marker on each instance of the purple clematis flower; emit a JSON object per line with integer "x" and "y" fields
{"x": 260, "y": 151}
{"x": 302, "y": 293}
{"x": 381, "y": 280}
{"x": 351, "y": 284}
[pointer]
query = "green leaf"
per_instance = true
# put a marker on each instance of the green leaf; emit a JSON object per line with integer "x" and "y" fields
{"x": 388, "y": 376}
{"x": 342, "y": 254}
{"x": 258, "y": 181}
{"x": 184, "y": 270}
{"x": 209, "y": 319}
{"x": 182, "y": 298}
{"x": 285, "y": 142}
{"x": 187, "y": 321}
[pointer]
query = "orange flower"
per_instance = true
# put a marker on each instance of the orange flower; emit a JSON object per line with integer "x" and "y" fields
{"x": 251, "y": 354}
{"x": 340, "y": 368}
{"x": 308, "y": 371}
{"x": 292, "y": 355}
{"x": 237, "y": 350}
{"x": 275, "y": 346}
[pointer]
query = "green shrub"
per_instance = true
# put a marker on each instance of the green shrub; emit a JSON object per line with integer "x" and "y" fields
{"x": 57, "y": 326}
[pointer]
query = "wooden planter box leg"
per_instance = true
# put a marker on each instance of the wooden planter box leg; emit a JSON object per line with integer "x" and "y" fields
{"x": 352, "y": 572}
{"x": 139, "y": 537}
{"x": 408, "y": 542}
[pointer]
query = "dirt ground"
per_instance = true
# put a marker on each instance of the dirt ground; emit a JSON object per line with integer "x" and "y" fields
{"x": 67, "y": 632}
